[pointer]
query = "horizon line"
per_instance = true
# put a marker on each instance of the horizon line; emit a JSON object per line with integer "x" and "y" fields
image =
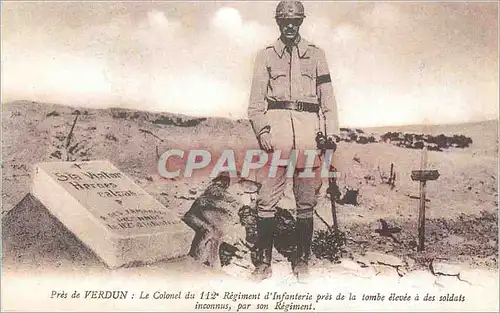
{"x": 497, "y": 119}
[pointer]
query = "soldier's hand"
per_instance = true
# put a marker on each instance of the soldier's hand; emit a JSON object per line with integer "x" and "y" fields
{"x": 331, "y": 143}
{"x": 265, "y": 142}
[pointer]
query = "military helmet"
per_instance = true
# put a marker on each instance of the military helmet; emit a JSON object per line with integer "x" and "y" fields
{"x": 290, "y": 9}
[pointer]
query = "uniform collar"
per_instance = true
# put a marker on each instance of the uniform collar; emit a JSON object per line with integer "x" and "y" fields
{"x": 279, "y": 47}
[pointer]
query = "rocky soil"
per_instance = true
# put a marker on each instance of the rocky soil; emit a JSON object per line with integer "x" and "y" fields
{"x": 462, "y": 218}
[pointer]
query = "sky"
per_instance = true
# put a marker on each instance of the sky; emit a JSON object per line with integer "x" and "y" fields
{"x": 392, "y": 63}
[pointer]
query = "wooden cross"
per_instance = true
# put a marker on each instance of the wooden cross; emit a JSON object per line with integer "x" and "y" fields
{"x": 423, "y": 175}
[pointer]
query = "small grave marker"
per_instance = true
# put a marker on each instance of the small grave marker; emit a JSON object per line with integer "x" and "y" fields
{"x": 423, "y": 175}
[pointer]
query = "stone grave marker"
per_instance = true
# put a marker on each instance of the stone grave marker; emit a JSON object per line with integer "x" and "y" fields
{"x": 111, "y": 214}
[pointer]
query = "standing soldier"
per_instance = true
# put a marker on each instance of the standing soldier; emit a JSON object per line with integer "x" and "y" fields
{"x": 291, "y": 101}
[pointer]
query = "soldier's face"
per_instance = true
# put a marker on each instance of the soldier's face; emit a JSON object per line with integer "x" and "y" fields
{"x": 289, "y": 27}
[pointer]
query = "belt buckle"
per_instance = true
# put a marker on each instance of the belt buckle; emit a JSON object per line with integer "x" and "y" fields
{"x": 299, "y": 106}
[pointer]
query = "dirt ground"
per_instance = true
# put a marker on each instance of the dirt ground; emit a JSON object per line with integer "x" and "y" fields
{"x": 462, "y": 218}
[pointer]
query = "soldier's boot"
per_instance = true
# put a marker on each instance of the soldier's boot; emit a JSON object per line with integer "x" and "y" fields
{"x": 303, "y": 235}
{"x": 264, "y": 248}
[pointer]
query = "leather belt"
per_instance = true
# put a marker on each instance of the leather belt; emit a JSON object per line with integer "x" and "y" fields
{"x": 293, "y": 105}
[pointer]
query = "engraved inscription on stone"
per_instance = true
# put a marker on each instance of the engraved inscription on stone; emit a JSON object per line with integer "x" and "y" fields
{"x": 110, "y": 213}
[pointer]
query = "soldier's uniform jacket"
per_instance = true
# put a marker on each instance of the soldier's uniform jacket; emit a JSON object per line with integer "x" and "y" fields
{"x": 301, "y": 74}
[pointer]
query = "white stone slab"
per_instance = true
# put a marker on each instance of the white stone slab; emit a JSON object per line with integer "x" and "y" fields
{"x": 111, "y": 214}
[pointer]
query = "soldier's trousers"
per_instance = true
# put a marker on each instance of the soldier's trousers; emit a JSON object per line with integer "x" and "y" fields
{"x": 305, "y": 191}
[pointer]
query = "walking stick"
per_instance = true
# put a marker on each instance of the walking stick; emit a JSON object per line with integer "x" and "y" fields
{"x": 333, "y": 191}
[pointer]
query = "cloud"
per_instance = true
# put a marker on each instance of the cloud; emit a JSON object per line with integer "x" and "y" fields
{"x": 157, "y": 20}
{"x": 383, "y": 15}
{"x": 228, "y": 19}
{"x": 406, "y": 60}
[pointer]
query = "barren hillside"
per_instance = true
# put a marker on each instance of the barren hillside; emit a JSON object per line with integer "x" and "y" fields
{"x": 462, "y": 206}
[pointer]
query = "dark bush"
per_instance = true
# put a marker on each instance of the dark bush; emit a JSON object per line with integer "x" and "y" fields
{"x": 165, "y": 120}
{"x": 328, "y": 244}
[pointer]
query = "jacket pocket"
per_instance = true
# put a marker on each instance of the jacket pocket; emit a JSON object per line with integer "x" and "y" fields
{"x": 308, "y": 78}
{"x": 308, "y": 70}
{"x": 277, "y": 72}
{"x": 278, "y": 81}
